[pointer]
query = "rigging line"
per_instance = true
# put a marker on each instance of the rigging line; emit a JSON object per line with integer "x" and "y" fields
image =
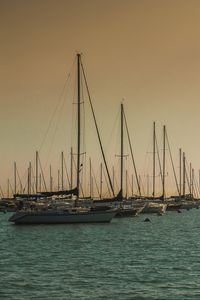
{"x": 129, "y": 140}
{"x": 112, "y": 133}
{"x": 24, "y": 177}
{"x": 108, "y": 186}
{"x": 42, "y": 174}
{"x": 33, "y": 182}
{"x": 195, "y": 189}
{"x": 55, "y": 131}
{"x": 65, "y": 165}
{"x": 146, "y": 161}
{"x": 178, "y": 190}
{"x": 73, "y": 125}
{"x": 159, "y": 162}
{"x": 115, "y": 177}
{"x": 83, "y": 119}
{"x": 186, "y": 174}
{"x": 80, "y": 181}
{"x": 56, "y": 108}
{"x": 1, "y": 192}
{"x": 96, "y": 183}
{"x": 19, "y": 179}
{"x": 198, "y": 187}
{"x": 101, "y": 146}
{"x": 10, "y": 186}
{"x": 142, "y": 185}
{"x": 116, "y": 128}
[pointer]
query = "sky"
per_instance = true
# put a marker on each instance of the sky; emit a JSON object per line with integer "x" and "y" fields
{"x": 145, "y": 53}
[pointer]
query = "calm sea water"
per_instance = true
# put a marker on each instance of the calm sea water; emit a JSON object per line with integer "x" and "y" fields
{"x": 126, "y": 259}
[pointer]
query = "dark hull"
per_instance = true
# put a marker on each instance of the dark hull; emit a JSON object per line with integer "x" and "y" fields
{"x": 62, "y": 217}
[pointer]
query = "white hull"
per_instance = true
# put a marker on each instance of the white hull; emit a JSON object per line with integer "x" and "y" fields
{"x": 156, "y": 208}
{"x": 61, "y": 217}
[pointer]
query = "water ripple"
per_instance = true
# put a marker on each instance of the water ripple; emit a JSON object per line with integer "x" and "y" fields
{"x": 127, "y": 259}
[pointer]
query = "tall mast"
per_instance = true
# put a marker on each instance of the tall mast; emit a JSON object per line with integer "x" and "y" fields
{"x": 183, "y": 173}
{"x": 29, "y": 179}
{"x": 163, "y": 183}
{"x": 154, "y": 154}
{"x": 58, "y": 179}
{"x": 8, "y": 188}
{"x": 126, "y": 184}
{"x": 132, "y": 185}
{"x": 199, "y": 179}
{"x": 190, "y": 185}
{"x": 62, "y": 171}
{"x": 122, "y": 149}
{"x": 50, "y": 179}
{"x": 130, "y": 146}
{"x": 71, "y": 167}
{"x": 180, "y": 171}
{"x": 15, "y": 178}
{"x": 90, "y": 188}
{"x": 78, "y": 124}
{"x": 36, "y": 171}
{"x": 101, "y": 181}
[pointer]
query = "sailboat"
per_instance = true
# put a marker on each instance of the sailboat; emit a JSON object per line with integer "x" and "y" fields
{"x": 157, "y": 204}
{"x": 76, "y": 214}
{"x": 126, "y": 208}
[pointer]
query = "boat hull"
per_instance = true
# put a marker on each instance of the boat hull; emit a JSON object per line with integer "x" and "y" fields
{"x": 62, "y": 217}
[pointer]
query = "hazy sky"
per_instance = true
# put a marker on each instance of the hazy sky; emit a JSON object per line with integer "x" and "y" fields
{"x": 146, "y": 52}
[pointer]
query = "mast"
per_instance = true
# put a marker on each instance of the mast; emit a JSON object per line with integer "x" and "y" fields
{"x": 148, "y": 186}
{"x": 15, "y": 178}
{"x": 62, "y": 171}
{"x": 90, "y": 178}
{"x": 8, "y": 188}
{"x": 101, "y": 176}
{"x": 40, "y": 182}
{"x": 154, "y": 154}
{"x": 180, "y": 171}
{"x": 29, "y": 179}
{"x": 113, "y": 177}
{"x": 126, "y": 184}
{"x": 71, "y": 167}
{"x": 190, "y": 185}
{"x": 183, "y": 173}
{"x": 199, "y": 179}
{"x": 36, "y": 171}
{"x": 78, "y": 125}
{"x": 50, "y": 179}
{"x": 168, "y": 145}
{"x": 163, "y": 177}
{"x": 122, "y": 150}
{"x": 130, "y": 146}
{"x": 58, "y": 179}
{"x": 132, "y": 185}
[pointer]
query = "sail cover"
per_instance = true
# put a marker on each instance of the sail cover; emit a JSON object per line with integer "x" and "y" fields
{"x": 48, "y": 194}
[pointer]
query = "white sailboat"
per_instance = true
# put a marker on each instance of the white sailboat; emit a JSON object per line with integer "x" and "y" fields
{"x": 66, "y": 215}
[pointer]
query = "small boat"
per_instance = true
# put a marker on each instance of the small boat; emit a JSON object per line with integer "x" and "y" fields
{"x": 153, "y": 207}
{"x": 129, "y": 211}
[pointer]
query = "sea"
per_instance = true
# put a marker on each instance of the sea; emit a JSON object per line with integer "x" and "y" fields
{"x": 125, "y": 259}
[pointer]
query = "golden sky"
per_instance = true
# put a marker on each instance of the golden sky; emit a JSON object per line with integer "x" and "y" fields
{"x": 146, "y": 52}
